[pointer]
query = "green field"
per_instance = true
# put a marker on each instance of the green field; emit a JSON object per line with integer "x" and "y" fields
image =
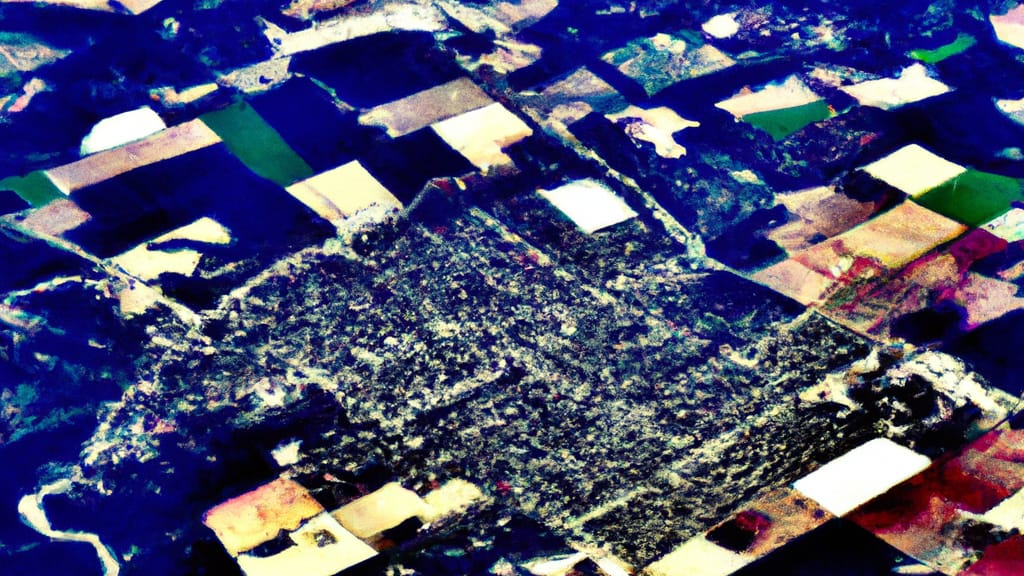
{"x": 782, "y": 123}
{"x": 962, "y": 43}
{"x": 974, "y": 197}
{"x": 257, "y": 144}
{"x": 36, "y": 188}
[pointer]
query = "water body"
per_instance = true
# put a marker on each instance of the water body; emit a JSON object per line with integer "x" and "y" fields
{"x": 30, "y": 508}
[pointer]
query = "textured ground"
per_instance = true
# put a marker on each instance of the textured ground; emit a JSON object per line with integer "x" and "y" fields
{"x": 788, "y": 284}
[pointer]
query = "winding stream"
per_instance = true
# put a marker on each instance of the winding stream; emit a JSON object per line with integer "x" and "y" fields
{"x": 30, "y": 507}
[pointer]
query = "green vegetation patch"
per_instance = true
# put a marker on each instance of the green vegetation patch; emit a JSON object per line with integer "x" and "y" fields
{"x": 36, "y": 188}
{"x": 974, "y": 197}
{"x": 962, "y": 43}
{"x": 257, "y": 144}
{"x": 783, "y": 122}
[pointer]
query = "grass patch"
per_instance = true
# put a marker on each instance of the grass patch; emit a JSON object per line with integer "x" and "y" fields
{"x": 974, "y": 197}
{"x": 962, "y": 43}
{"x": 257, "y": 144}
{"x": 782, "y": 123}
{"x": 35, "y": 188}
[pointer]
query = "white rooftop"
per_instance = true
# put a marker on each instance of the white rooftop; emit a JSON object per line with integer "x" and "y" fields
{"x": 914, "y": 170}
{"x": 912, "y": 85}
{"x": 790, "y": 93}
{"x": 1009, "y": 27}
{"x": 590, "y": 204}
{"x": 722, "y": 26}
{"x": 860, "y": 475}
{"x": 121, "y": 129}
